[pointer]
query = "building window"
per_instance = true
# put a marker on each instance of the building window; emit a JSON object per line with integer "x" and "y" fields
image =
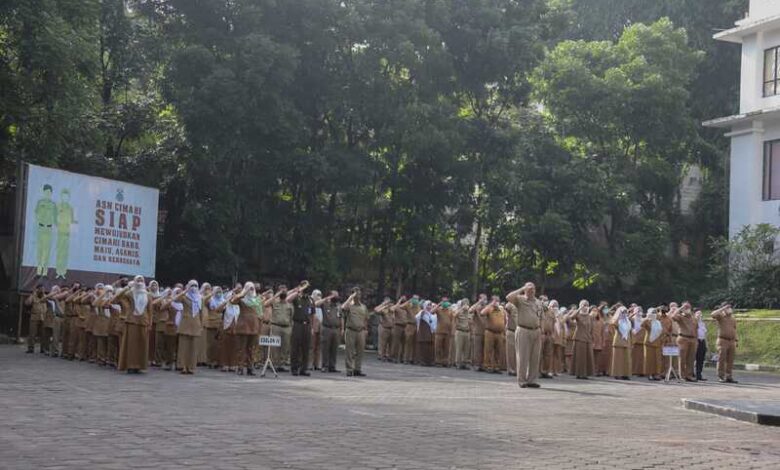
{"x": 771, "y": 182}
{"x": 771, "y": 72}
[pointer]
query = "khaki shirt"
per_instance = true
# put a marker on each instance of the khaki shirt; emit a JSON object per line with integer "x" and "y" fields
{"x": 462, "y": 319}
{"x": 511, "y": 317}
{"x": 495, "y": 321}
{"x": 529, "y": 312}
{"x": 356, "y": 317}
{"x": 727, "y": 326}
{"x": 191, "y": 323}
{"x": 548, "y": 322}
{"x": 386, "y": 318}
{"x": 38, "y": 308}
{"x": 687, "y": 325}
{"x": 444, "y": 321}
{"x": 411, "y": 313}
{"x": 281, "y": 313}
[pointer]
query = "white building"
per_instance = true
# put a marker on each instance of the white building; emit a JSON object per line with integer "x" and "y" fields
{"x": 755, "y": 132}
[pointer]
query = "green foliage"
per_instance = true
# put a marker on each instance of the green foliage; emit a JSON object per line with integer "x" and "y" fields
{"x": 433, "y": 146}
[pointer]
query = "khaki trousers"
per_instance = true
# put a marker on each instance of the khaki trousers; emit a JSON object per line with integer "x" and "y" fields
{"x": 528, "y": 344}
{"x": 398, "y": 343}
{"x": 212, "y": 346}
{"x": 494, "y": 350}
{"x": 410, "y": 334}
{"x": 726, "y": 351}
{"x": 246, "y": 350}
{"x": 355, "y": 342}
{"x": 330, "y": 347}
{"x": 112, "y": 350}
{"x": 314, "y": 349}
{"x": 477, "y": 350}
{"x": 462, "y": 349}
{"x": 548, "y": 353}
{"x": 441, "y": 347}
{"x": 67, "y": 322}
{"x": 281, "y": 356}
{"x": 36, "y": 333}
{"x": 687, "y": 355}
{"x": 385, "y": 342}
{"x": 55, "y": 347}
{"x": 511, "y": 358}
{"x": 558, "y": 358}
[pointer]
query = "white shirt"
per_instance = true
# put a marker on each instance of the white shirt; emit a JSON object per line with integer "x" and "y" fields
{"x": 701, "y": 330}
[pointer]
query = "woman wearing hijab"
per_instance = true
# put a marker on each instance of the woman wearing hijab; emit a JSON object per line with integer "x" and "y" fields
{"x": 638, "y": 353}
{"x": 653, "y": 340}
{"x": 620, "y": 327}
{"x": 201, "y": 342}
{"x": 605, "y": 357}
{"x": 598, "y": 339}
{"x": 228, "y": 346}
{"x": 559, "y": 342}
{"x": 167, "y": 326}
{"x": 214, "y": 303}
{"x": 247, "y": 326}
{"x": 569, "y": 337}
{"x": 135, "y": 302}
{"x": 426, "y": 328}
{"x": 189, "y": 326}
{"x": 154, "y": 291}
{"x": 582, "y": 354}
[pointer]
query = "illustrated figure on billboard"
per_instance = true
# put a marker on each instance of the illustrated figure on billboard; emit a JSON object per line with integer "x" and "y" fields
{"x": 65, "y": 218}
{"x": 45, "y": 217}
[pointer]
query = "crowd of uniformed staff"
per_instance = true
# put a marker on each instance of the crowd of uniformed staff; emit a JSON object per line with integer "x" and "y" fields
{"x": 130, "y": 325}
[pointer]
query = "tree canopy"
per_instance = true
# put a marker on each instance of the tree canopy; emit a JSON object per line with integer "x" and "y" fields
{"x": 429, "y": 145}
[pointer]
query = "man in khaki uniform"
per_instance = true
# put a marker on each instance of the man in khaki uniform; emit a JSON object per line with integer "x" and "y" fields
{"x": 410, "y": 333}
{"x": 495, "y": 326}
{"x": 727, "y": 342}
{"x": 528, "y": 338}
{"x": 399, "y": 330}
{"x": 38, "y": 305}
{"x": 356, "y": 324}
{"x": 281, "y": 324}
{"x": 462, "y": 322}
{"x": 477, "y": 327}
{"x": 385, "y": 311}
{"x": 443, "y": 334}
{"x": 509, "y": 341}
{"x": 548, "y": 340}
{"x": 332, "y": 327}
{"x": 686, "y": 339}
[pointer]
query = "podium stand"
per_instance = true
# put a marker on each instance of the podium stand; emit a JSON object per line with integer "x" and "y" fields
{"x": 671, "y": 352}
{"x": 270, "y": 342}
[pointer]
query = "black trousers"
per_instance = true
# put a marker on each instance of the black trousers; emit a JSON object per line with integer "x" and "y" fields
{"x": 701, "y": 352}
{"x": 299, "y": 346}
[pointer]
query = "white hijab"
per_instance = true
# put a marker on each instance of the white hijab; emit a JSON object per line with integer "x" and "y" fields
{"x": 140, "y": 296}
{"x": 624, "y": 325}
{"x": 217, "y": 297}
{"x": 655, "y": 326}
{"x": 178, "y": 306}
{"x": 637, "y": 320}
{"x": 195, "y": 298}
{"x": 426, "y": 316}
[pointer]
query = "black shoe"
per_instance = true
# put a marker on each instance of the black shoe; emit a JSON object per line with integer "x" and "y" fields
{"x": 534, "y": 385}
{"x": 281, "y": 369}
{"x": 240, "y": 372}
{"x": 701, "y": 379}
{"x": 688, "y": 379}
{"x": 30, "y": 351}
{"x": 334, "y": 370}
{"x": 359, "y": 374}
{"x": 250, "y": 371}
{"x": 582, "y": 378}
{"x": 294, "y": 373}
{"x": 723, "y": 381}
{"x": 731, "y": 381}
{"x": 304, "y": 374}
{"x": 350, "y": 374}
{"x": 523, "y": 385}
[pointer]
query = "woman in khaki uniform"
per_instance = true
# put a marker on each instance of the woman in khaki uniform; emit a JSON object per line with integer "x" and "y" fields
{"x": 598, "y": 341}
{"x": 136, "y": 305}
{"x": 559, "y": 342}
{"x": 102, "y": 311}
{"x": 116, "y": 327}
{"x": 189, "y": 326}
{"x": 620, "y": 328}
{"x": 228, "y": 352}
{"x": 653, "y": 338}
{"x": 569, "y": 341}
{"x": 582, "y": 354}
{"x": 247, "y": 326}
{"x": 201, "y": 342}
{"x": 166, "y": 327}
{"x": 214, "y": 303}
{"x": 638, "y": 353}
{"x": 89, "y": 323}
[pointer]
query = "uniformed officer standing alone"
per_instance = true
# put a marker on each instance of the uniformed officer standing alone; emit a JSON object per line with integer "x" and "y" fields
{"x": 355, "y": 322}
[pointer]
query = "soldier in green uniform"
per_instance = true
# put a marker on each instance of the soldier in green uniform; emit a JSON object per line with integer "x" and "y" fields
{"x": 356, "y": 323}
{"x": 45, "y": 217}
{"x": 65, "y": 218}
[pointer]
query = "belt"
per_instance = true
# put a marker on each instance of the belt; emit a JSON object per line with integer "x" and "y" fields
{"x": 462, "y": 330}
{"x": 402, "y": 325}
{"x": 354, "y": 329}
{"x": 727, "y": 339}
{"x": 688, "y": 336}
{"x": 44, "y": 225}
{"x": 526, "y": 328}
{"x": 301, "y": 321}
{"x": 278, "y": 324}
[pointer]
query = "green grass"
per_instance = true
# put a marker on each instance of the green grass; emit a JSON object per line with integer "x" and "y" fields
{"x": 761, "y": 313}
{"x": 759, "y": 341}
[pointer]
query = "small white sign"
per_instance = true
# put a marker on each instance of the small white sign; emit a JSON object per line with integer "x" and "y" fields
{"x": 671, "y": 351}
{"x": 272, "y": 341}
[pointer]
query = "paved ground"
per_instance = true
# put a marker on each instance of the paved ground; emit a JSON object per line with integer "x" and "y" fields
{"x": 59, "y": 414}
